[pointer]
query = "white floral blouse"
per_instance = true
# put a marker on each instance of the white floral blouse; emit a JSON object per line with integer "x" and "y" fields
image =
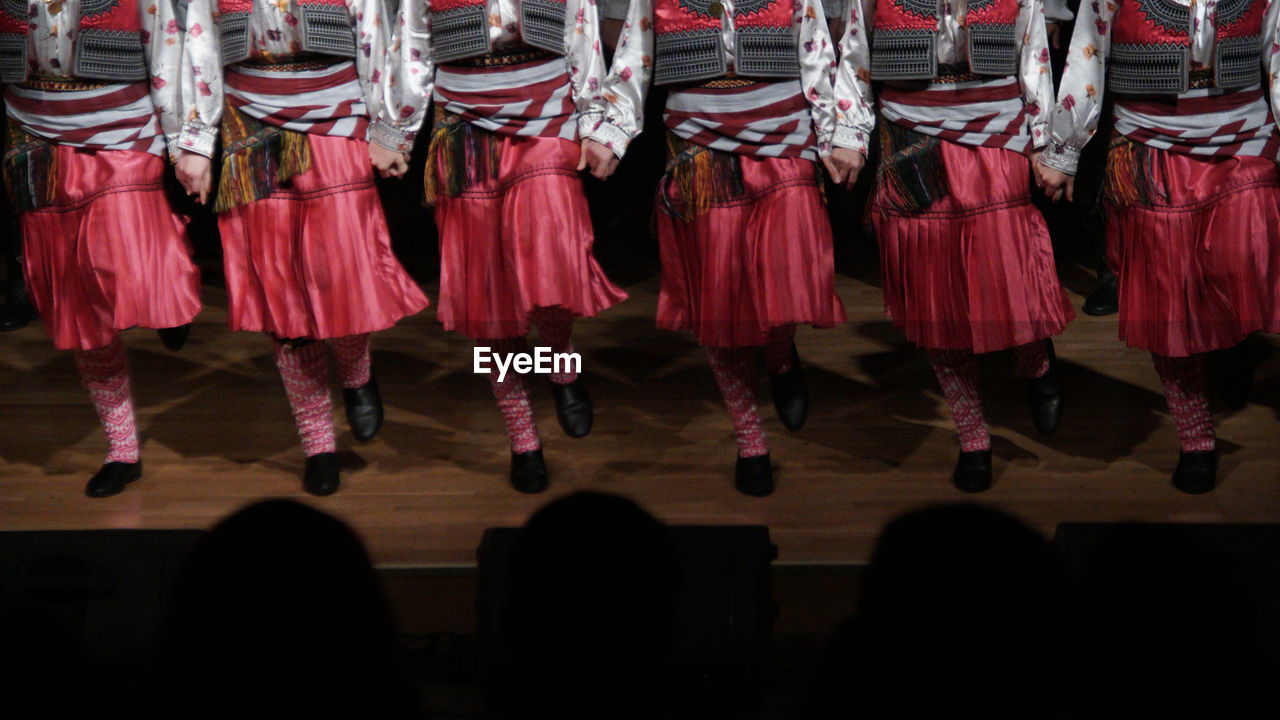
{"x": 274, "y": 30}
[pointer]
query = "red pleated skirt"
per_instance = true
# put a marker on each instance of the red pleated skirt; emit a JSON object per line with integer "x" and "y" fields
{"x": 761, "y": 261}
{"x": 314, "y": 259}
{"x": 975, "y": 270}
{"x": 109, "y": 253}
{"x": 517, "y": 241}
{"x": 1200, "y": 268}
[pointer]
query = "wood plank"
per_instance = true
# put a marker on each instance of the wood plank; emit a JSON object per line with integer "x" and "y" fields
{"x": 218, "y": 435}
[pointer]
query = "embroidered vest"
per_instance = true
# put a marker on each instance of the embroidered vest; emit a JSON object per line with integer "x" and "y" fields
{"x": 325, "y": 26}
{"x": 905, "y": 37}
{"x": 108, "y": 42}
{"x": 1151, "y": 46}
{"x": 460, "y": 28}
{"x": 688, "y": 48}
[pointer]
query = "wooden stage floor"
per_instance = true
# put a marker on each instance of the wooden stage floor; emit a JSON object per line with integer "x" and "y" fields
{"x": 217, "y": 434}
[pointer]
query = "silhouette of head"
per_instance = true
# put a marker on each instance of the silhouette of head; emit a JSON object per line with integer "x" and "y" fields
{"x": 590, "y": 610}
{"x": 278, "y": 611}
{"x": 960, "y": 612}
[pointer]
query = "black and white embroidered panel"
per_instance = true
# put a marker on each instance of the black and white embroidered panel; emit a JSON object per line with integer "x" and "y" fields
{"x": 327, "y": 30}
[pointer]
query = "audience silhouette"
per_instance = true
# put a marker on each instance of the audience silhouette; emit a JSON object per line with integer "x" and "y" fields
{"x": 589, "y": 614}
{"x": 278, "y": 613}
{"x": 960, "y": 615}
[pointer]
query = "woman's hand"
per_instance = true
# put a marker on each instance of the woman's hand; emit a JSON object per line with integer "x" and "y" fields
{"x": 1055, "y": 183}
{"x": 389, "y": 163}
{"x": 195, "y": 172}
{"x": 844, "y": 165}
{"x": 599, "y": 158}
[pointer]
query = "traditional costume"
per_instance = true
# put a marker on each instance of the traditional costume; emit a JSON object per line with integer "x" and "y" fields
{"x": 1192, "y": 190}
{"x": 512, "y": 83}
{"x": 91, "y": 90}
{"x": 966, "y": 262}
{"x": 742, "y": 227}
{"x": 291, "y": 87}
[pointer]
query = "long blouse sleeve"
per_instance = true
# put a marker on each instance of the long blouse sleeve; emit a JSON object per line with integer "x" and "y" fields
{"x": 1074, "y": 118}
{"x": 1034, "y": 71}
{"x": 372, "y": 36}
{"x": 408, "y": 80}
{"x": 587, "y": 68}
{"x": 622, "y": 97}
{"x": 817, "y": 57}
{"x": 202, "y": 84}
{"x": 163, "y": 37}
{"x": 855, "y": 103}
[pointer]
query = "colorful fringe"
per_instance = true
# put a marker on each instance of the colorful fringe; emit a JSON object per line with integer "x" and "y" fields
{"x": 702, "y": 176}
{"x": 256, "y": 159}
{"x": 30, "y": 169}
{"x": 912, "y": 175}
{"x": 460, "y": 156}
{"x": 1131, "y": 178}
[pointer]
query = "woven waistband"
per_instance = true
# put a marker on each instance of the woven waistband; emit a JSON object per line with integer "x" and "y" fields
{"x": 292, "y": 63}
{"x": 727, "y": 83}
{"x": 62, "y": 84}
{"x": 510, "y": 55}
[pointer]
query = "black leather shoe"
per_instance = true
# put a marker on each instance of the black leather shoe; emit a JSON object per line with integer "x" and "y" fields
{"x": 573, "y": 407}
{"x": 1232, "y": 370}
{"x": 111, "y": 479}
{"x": 791, "y": 394}
{"x": 364, "y": 409}
{"x": 529, "y": 472}
{"x": 973, "y": 471}
{"x": 321, "y": 476}
{"x": 174, "y": 338}
{"x": 754, "y": 475}
{"x": 1105, "y": 299}
{"x": 1197, "y": 472}
{"x": 1044, "y": 396}
{"x": 16, "y": 312}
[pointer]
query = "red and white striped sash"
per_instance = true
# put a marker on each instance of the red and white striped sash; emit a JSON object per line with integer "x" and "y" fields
{"x": 533, "y": 98}
{"x": 980, "y": 113}
{"x": 325, "y": 101}
{"x": 118, "y": 116}
{"x": 1206, "y": 121}
{"x": 765, "y": 119}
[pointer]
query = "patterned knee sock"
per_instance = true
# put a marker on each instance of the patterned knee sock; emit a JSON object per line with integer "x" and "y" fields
{"x": 306, "y": 381}
{"x": 1184, "y": 389}
{"x": 513, "y": 399}
{"x": 735, "y": 374}
{"x": 105, "y": 374}
{"x": 957, "y": 372}
{"x": 351, "y": 355}
{"x": 1033, "y": 359}
{"x": 555, "y": 328}
{"x": 777, "y": 349}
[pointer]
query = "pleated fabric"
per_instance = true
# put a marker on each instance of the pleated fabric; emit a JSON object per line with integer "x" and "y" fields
{"x": 975, "y": 270}
{"x": 1199, "y": 263}
{"x": 742, "y": 267}
{"x": 109, "y": 253}
{"x": 314, "y": 259}
{"x": 519, "y": 240}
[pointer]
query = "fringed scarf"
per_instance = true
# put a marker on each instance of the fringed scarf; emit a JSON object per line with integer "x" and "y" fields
{"x": 30, "y": 169}
{"x": 1131, "y": 176}
{"x": 702, "y": 177}
{"x": 460, "y": 157}
{"x": 912, "y": 175}
{"x": 256, "y": 159}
